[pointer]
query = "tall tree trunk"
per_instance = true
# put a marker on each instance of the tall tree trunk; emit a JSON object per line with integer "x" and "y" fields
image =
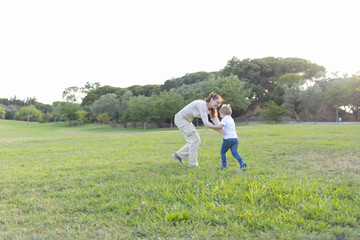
{"x": 297, "y": 116}
{"x": 28, "y": 118}
{"x": 355, "y": 111}
{"x": 337, "y": 114}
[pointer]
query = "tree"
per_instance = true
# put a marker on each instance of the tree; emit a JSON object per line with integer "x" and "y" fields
{"x": 2, "y": 112}
{"x": 167, "y": 105}
{"x": 353, "y": 87}
{"x": 97, "y": 93}
{"x": 194, "y": 91}
{"x": 335, "y": 97}
{"x": 74, "y": 94}
{"x": 30, "y": 101}
{"x": 44, "y": 108}
{"x": 243, "y": 69}
{"x": 89, "y": 87}
{"x": 188, "y": 79}
{"x": 310, "y": 101}
{"x": 281, "y": 66}
{"x": 103, "y": 118}
{"x": 15, "y": 101}
{"x": 56, "y": 116}
{"x": 107, "y": 104}
{"x": 291, "y": 99}
{"x": 146, "y": 90}
{"x": 291, "y": 85}
{"x": 11, "y": 111}
{"x": 273, "y": 112}
{"x": 291, "y": 79}
{"x": 82, "y": 115}
{"x": 29, "y": 113}
{"x": 124, "y": 99}
{"x": 233, "y": 92}
{"x": 140, "y": 109}
{"x": 68, "y": 112}
{"x": 71, "y": 94}
{"x": 262, "y": 75}
{"x": 4, "y": 101}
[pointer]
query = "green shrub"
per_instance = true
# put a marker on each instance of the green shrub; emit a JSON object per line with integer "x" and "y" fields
{"x": 273, "y": 112}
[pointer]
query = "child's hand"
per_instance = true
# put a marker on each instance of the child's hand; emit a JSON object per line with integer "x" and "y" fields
{"x": 237, "y": 133}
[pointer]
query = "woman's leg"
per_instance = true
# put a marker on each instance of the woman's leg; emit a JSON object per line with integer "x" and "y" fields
{"x": 193, "y": 138}
{"x": 190, "y": 150}
{"x": 180, "y": 122}
{"x": 184, "y": 152}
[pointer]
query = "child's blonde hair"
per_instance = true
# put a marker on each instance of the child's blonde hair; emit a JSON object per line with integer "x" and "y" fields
{"x": 225, "y": 109}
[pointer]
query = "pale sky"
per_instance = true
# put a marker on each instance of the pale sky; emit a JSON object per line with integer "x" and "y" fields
{"x": 47, "y": 46}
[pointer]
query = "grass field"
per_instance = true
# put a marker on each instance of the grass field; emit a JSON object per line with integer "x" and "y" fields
{"x": 96, "y": 182}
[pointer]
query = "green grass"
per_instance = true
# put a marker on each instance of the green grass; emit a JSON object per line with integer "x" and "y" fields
{"x": 96, "y": 182}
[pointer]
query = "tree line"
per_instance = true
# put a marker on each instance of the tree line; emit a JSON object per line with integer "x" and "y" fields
{"x": 295, "y": 87}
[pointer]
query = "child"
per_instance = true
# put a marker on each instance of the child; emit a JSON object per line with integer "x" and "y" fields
{"x": 230, "y": 137}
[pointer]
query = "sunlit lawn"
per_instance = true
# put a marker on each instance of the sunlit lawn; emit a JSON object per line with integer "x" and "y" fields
{"x": 97, "y": 182}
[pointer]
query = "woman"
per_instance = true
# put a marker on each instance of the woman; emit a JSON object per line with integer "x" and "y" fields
{"x": 183, "y": 120}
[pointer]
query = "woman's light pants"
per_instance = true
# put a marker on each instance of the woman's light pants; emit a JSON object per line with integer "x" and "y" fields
{"x": 192, "y": 136}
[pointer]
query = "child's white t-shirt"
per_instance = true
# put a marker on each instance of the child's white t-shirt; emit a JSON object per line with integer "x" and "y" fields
{"x": 229, "y": 127}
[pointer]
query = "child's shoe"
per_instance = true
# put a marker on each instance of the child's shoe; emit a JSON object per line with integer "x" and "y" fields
{"x": 243, "y": 166}
{"x": 222, "y": 167}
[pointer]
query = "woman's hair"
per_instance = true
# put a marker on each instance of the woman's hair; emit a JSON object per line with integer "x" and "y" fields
{"x": 226, "y": 109}
{"x": 213, "y": 96}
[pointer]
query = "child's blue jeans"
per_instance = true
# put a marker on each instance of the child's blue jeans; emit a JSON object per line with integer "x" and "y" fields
{"x": 233, "y": 144}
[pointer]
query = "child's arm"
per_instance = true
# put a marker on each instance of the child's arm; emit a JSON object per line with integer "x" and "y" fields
{"x": 214, "y": 127}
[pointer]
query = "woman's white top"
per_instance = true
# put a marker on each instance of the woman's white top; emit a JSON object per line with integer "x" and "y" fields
{"x": 229, "y": 127}
{"x": 197, "y": 108}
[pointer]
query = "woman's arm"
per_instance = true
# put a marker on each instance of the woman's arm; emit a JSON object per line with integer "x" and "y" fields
{"x": 221, "y": 131}
{"x": 216, "y": 121}
{"x": 202, "y": 107}
{"x": 218, "y": 128}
